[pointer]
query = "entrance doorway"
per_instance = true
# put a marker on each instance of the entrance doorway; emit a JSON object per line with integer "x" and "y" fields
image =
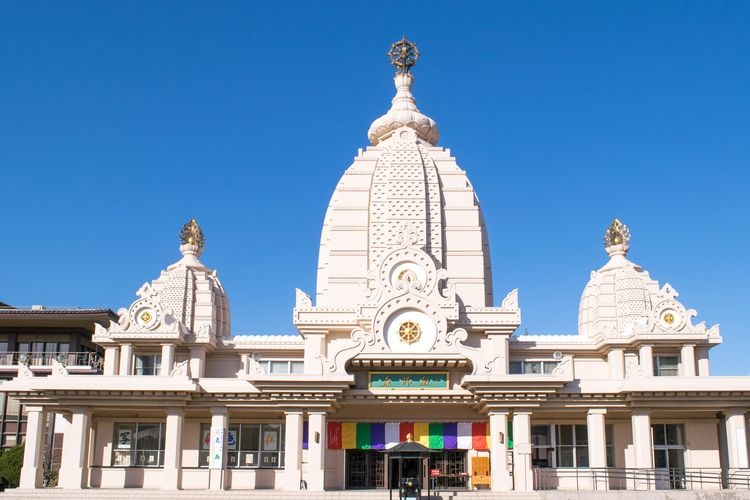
{"x": 365, "y": 469}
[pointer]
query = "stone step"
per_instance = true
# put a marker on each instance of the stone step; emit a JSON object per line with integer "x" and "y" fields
{"x": 141, "y": 494}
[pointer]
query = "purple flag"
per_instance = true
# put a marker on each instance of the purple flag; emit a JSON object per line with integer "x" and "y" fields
{"x": 450, "y": 436}
{"x": 305, "y": 432}
{"x": 377, "y": 435}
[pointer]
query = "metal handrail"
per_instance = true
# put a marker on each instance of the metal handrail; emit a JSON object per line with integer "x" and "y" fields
{"x": 90, "y": 359}
{"x": 594, "y": 478}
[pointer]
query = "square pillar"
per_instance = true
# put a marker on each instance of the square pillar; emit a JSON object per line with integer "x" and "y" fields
{"x": 736, "y": 438}
{"x": 703, "y": 368}
{"x": 524, "y": 481}
{"x": 197, "y": 361}
{"x": 293, "y": 450}
{"x": 111, "y": 359}
{"x": 687, "y": 360}
{"x": 315, "y": 347}
{"x": 499, "y": 477}
{"x": 644, "y": 455}
{"x": 217, "y": 459}
{"x": 316, "y": 442}
{"x": 73, "y": 469}
{"x": 172, "y": 475}
{"x": 167, "y": 359}
{"x": 126, "y": 359}
{"x": 646, "y": 360}
{"x": 31, "y": 473}
{"x": 616, "y": 362}
{"x": 595, "y": 425}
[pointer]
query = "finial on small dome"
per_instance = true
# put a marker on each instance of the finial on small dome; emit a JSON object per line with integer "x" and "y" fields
{"x": 617, "y": 238}
{"x": 192, "y": 239}
{"x": 404, "y": 55}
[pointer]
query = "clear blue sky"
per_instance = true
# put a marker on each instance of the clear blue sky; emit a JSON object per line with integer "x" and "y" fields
{"x": 121, "y": 120}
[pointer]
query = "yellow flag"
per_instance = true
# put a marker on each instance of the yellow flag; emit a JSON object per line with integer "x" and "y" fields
{"x": 422, "y": 433}
{"x": 349, "y": 435}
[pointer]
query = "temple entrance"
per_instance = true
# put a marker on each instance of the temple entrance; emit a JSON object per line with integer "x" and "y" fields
{"x": 365, "y": 469}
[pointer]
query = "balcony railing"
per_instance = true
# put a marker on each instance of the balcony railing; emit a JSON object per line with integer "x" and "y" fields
{"x": 90, "y": 360}
{"x": 611, "y": 478}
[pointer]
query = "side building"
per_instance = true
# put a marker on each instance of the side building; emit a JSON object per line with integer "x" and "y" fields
{"x": 34, "y": 339}
{"x": 402, "y": 341}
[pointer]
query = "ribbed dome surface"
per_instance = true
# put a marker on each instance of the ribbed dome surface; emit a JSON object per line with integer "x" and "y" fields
{"x": 616, "y": 299}
{"x": 402, "y": 182}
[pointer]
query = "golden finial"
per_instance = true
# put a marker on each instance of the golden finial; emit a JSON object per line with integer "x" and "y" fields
{"x": 409, "y": 437}
{"x": 617, "y": 234}
{"x": 191, "y": 234}
{"x": 404, "y": 55}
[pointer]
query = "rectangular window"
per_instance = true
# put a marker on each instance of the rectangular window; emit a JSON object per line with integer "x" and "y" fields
{"x": 532, "y": 367}
{"x": 669, "y": 455}
{"x": 282, "y": 366}
{"x": 248, "y": 445}
{"x": 147, "y": 364}
{"x": 138, "y": 445}
{"x": 666, "y": 366}
{"x": 565, "y": 446}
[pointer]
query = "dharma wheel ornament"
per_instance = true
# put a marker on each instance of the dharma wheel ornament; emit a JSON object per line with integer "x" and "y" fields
{"x": 617, "y": 237}
{"x": 404, "y": 55}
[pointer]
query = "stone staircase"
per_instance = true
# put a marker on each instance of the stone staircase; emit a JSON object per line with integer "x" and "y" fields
{"x": 143, "y": 494}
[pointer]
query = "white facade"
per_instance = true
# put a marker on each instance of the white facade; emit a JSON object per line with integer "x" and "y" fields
{"x": 404, "y": 336}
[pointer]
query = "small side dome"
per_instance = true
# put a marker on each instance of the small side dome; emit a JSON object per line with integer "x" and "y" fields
{"x": 617, "y": 299}
{"x": 404, "y": 111}
{"x": 187, "y": 297}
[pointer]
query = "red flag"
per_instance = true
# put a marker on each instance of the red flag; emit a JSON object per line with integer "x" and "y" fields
{"x": 479, "y": 435}
{"x": 334, "y": 436}
{"x": 404, "y": 429}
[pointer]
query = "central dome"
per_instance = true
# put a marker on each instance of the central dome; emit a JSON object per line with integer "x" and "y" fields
{"x": 403, "y": 184}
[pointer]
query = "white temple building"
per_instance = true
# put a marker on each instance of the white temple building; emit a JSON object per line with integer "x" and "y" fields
{"x": 402, "y": 340}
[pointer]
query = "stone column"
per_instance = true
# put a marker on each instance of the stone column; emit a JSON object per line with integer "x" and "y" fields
{"x": 293, "y": 450}
{"x": 111, "y": 359}
{"x": 644, "y": 454}
{"x": 499, "y": 477}
{"x": 172, "y": 475}
{"x": 31, "y": 473}
{"x": 524, "y": 481}
{"x": 703, "y": 368}
{"x": 126, "y": 359}
{"x": 197, "y": 361}
{"x": 616, "y": 361}
{"x": 217, "y": 479}
{"x": 736, "y": 438}
{"x": 167, "y": 359}
{"x": 646, "y": 359}
{"x": 316, "y": 449}
{"x": 73, "y": 469}
{"x": 687, "y": 360}
{"x": 597, "y": 434}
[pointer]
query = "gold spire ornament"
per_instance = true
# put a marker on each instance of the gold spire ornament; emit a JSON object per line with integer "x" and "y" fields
{"x": 403, "y": 55}
{"x": 191, "y": 234}
{"x": 617, "y": 234}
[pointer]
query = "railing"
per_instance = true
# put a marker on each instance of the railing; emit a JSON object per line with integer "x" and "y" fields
{"x": 87, "y": 359}
{"x": 592, "y": 478}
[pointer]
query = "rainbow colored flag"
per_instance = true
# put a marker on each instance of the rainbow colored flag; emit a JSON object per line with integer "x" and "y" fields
{"x": 382, "y": 435}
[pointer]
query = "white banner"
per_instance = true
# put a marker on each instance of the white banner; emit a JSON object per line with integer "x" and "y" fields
{"x": 216, "y": 454}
